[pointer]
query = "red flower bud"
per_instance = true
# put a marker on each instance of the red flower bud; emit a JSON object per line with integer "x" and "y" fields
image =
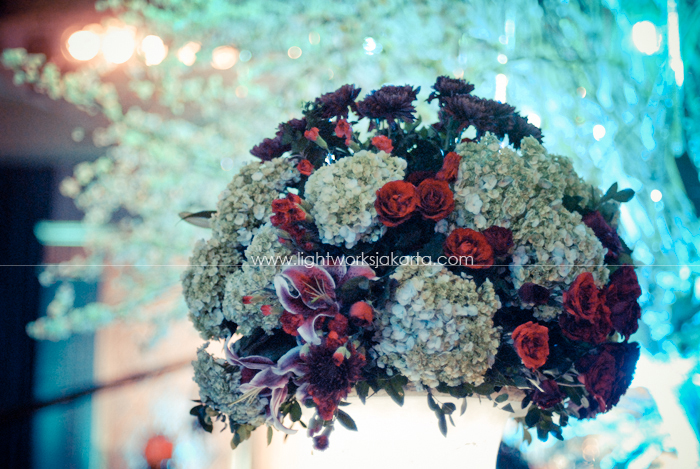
{"x": 311, "y": 134}
{"x": 383, "y": 143}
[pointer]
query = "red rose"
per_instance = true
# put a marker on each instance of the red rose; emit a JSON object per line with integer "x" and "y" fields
{"x": 621, "y": 296}
{"x": 282, "y": 205}
{"x": 305, "y": 167}
{"x": 605, "y": 233}
{"x": 343, "y": 129}
{"x": 450, "y": 167}
{"x": 585, "y": 316}
{"x": 500, "y": 239}
{"x": 470, "y": 247}
{"x": 311, "y": 134}
{"x": 435, "y": 199}
{"x": 607, "y": 372}
{"x": 531, "y": 341}
{"x": 549, "y": 396}
{"x": 533, "y": 294}
{"x": 361, "y": 312}
{"x": 383, "y": 143}
{"x": 416, "y": 177}
{"x": 396, "y": 201}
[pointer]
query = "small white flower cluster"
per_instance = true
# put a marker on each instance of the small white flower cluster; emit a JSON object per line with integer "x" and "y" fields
{"x": 245, "y": 204}
{"x": 204, "y": 282}
{"x": 218, "y": 384}
{"x": 342, "y": 196}
{"x": 256, "y": 278}
{"x": 493, "y": 186}
{"x": 437, "y": 327}
{"x": 553, "y": 246}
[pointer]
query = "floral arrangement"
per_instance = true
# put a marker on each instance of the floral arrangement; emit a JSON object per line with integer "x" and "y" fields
{"x": 398, "y": 256}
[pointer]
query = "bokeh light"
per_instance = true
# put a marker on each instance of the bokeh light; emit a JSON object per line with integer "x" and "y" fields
{"x": 153, "y": 49}
{"x": 224, "y": 57}
{"x": 83, "y": 45}
{"x": 294, "y": 52}
{"x": 187, "y": 54}
{"x": 645, "y": 37}
{"x": 314, "y": 38}
{"x": 501, "y": 85}
{"x": 502, "y": 59}
{"x": 118, "y": 44}
{"x": 598, "y": 131}
{"x": 534, "y": 119}
{"x": 656, "y": 195}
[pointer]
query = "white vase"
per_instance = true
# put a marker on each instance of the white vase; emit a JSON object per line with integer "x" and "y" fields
{"x": 390, "y": 436}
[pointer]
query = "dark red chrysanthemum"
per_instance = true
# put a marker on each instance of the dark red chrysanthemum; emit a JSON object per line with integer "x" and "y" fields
{"x": 390, "y": 103}
{"x": 270, "y": 148}
{"x": 294, "y": 125}
{"x": 327, "y": 382}
{"x": 337, "y": 103}
{"x": 446, "y": 87}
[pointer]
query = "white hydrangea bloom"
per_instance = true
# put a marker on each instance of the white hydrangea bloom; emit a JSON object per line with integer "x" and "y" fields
{"x": 552, "y": 247}
{"x": 437, "y": 327}
{"x": 342, "y": 196}
{"x": 245, "y": 204}
{"x": 264, "y": 258}
{"x": 204, "y": 282}
{"x": 218, "y": 388}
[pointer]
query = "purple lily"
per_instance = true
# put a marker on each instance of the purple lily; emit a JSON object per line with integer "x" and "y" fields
{"x": 271, "y": 380}
{"x": 314, "y": 294}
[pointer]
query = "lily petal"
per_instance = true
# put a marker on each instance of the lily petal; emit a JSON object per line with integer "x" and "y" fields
{"x": 278, "y": 397}
{"x": 315, "y": 285}
{"x": 291, "y": 302}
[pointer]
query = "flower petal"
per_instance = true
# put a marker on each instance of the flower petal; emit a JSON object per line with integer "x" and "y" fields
{"x": 291, "y": 303}
{"x": 278, "y": 397}
{"x": 315, "y": 285}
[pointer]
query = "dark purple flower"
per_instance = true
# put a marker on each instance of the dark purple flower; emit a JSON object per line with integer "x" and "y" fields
{"x": 534, "y": 294}
{"x": 522, "y": 128}
{"x": 621, "y": 296}
{"x": 270, "y": 148}
{"x": 605, "y": 233}
{"x": 294, "y": 125}
{"x": 446, "y": 87}
{"x": 549, "y": 395}
{"x": 390, "y": 103}
{"x": 337, "y": 103}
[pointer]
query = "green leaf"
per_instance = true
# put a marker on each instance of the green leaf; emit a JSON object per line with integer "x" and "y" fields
{"x": 201, "y": 219}
{"x": 624, "y": 195}
{"x": 295, "y": 412}
{"x": 432, "y": 404}
{"x": 508, "y": 408}
{"x": 527, "y": 437}
{"x": 610, "y": 193}
{"x": 532, "y": 417}
{"x": 203, "y": 417}
{"x": 346, "y": 421}
{"x": 269, "y": 435}
{"x": 542, "y": 434}
{"x": 501, "y": 398}
{"x": 448, "y": 408}
{"x": 442, "y": 423}
{"x": 394, "y": 387}
{"x": 362, "y": 389}
{"x": 463, "y": 407}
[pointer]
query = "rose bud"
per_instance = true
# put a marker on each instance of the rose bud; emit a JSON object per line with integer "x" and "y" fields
{"x": 470, "y": 247}
{"x": 450, "y": 167}
{"x": 435, "y": 199}
{"x": 396, "y": 201}
{"x": 305, "y": 167}
{"x": 362, "y": 313}
{"x": 383, "y": 143}
{"x": 343, "y": 129}
{"x": 321, "y": 443}
{"x": 531, "y": 342}
{"x": 311, "y": 134}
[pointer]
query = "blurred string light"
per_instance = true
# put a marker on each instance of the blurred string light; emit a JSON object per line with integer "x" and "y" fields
{"x": 83, "y": 45}
{"x": 598, "y": 131}
{"x": 224, "y": 57}
{"x": 646, "y": 38}
{"x": 153, "y": 50}
{"x": 118, "y": 44}
{"x": 501, "y": 85}
{"x": 294, "y": 52}
{"x": 656, "y": 195}
{"x": 674, "y": 43}
{"x": 187, "y": 54}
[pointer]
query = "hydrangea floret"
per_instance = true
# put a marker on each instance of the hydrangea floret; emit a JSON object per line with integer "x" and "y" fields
{"x": 411, "y": 257}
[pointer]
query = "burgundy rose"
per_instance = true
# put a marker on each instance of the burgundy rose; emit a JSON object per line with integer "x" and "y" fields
{"x": 416, "y": 177}
{"x": 435, "y": 199}
{"x": 605, "y": 233}
{"x": 531, "y": 341}
{"x": 396, "y": 201}
{"x": 500, "y": 239}
{"x": 621, "y": 296}
{"x": 450, "y": 167}
{"x": 586, "y": 316}
{"x": 305, "y": 167}
{"x": 470, "y": 248}
{"x": 533, "y": 294}
{"x": 607, "y": 372}
{"x": 549, "y": 396}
